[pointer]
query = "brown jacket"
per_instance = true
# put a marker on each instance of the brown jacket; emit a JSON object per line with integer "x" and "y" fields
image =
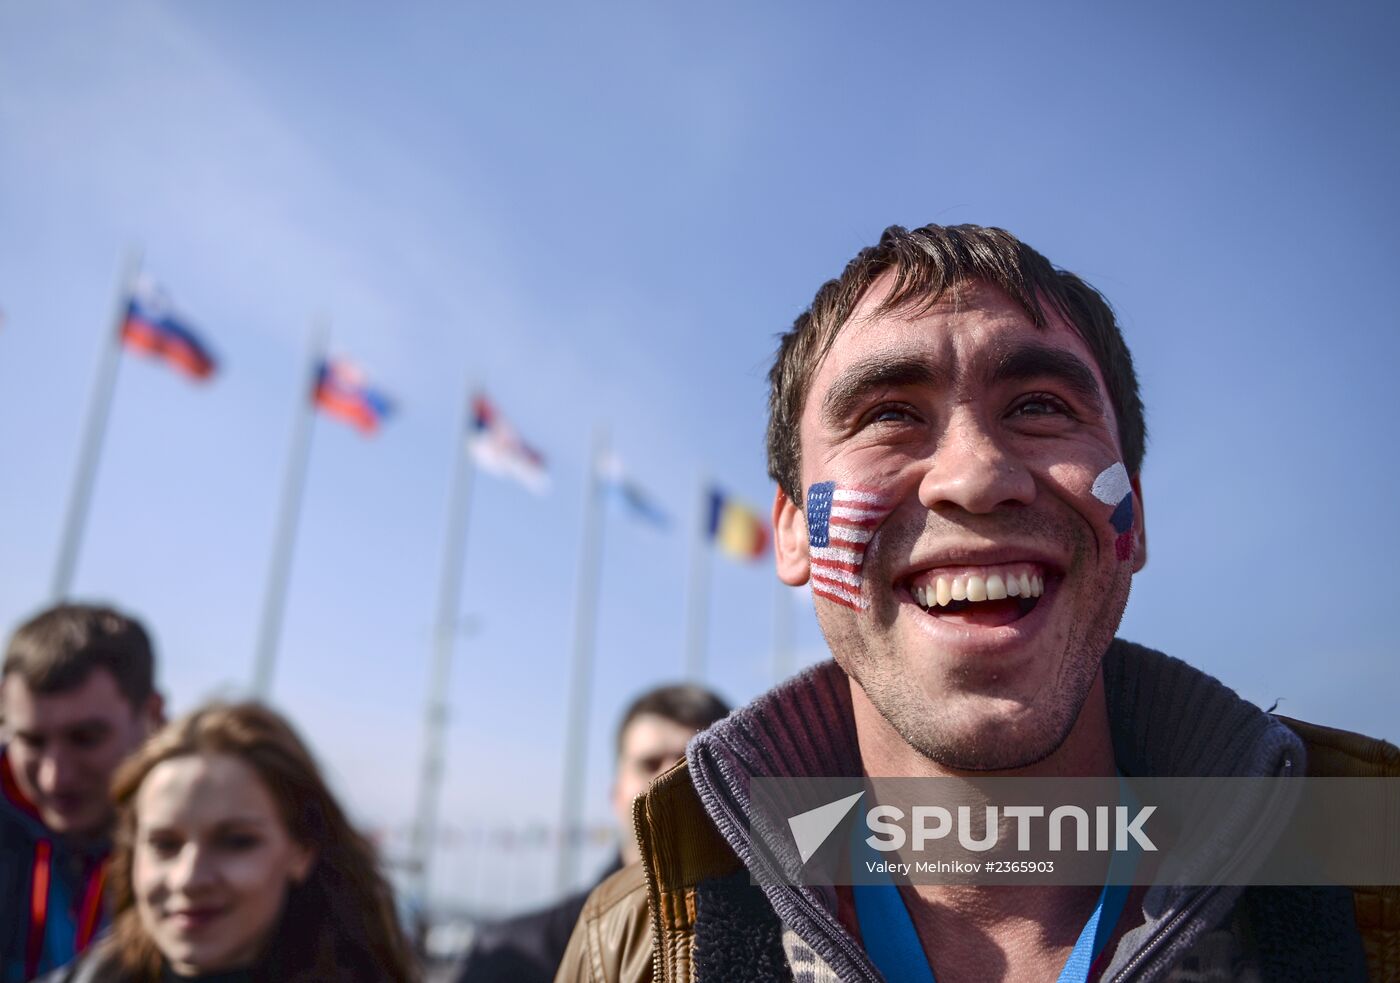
{"x": 639, "y": 924}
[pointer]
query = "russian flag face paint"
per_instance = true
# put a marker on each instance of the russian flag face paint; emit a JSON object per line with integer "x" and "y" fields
{"x": 840, "y": 524}
{"x": 1112, "y": 487}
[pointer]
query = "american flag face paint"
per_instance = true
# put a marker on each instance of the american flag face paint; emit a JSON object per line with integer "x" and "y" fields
{"x": 1113, "y": 488}
{"x": 840, "y": 523}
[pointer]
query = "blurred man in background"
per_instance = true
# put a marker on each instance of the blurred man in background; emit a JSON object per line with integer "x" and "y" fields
{"x": 78, "y": 694}
{"x": 651, "y": 738}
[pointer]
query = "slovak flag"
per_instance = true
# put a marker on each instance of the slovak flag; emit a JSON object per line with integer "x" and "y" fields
{"x": 342, "y": 392}
{"x": 152, "y": 328}
{"x": 496, "y": 446}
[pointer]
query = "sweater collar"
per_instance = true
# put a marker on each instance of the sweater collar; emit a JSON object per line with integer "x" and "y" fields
{"x": 1166, "y": 719}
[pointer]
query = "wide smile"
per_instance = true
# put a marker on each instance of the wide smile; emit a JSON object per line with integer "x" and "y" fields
{"x": 987, "y": 604}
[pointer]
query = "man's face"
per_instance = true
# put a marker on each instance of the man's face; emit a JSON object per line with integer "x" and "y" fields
{"x": 64, "y": 747}
{"x": 980, "y": 438}
{"x": 650, "y": 745}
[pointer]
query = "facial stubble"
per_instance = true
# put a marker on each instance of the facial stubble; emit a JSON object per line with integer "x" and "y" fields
{"x": 967, "y": 725}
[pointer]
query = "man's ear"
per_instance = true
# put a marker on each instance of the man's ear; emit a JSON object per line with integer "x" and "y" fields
{"x": 1139, "y": 526}
{"x": 790, "y": 549}
{"x": 153, "y": 713}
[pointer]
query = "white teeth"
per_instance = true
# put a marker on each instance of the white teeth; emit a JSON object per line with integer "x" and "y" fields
{"x": 996, "y": 587}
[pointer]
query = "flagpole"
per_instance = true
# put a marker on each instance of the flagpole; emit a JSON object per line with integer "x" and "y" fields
{"x": 444, "y": 635}
{"x": 581, "y": 678}
{"x": 94, "y": 433}
{"x": 293, "y": 486}
{"x": 698, "y": 596}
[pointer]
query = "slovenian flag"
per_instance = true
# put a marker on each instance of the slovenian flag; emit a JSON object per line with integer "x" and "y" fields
{"x": 639, "y": 502}
{"x": 343, "y": 392}
{"x": 735, "y": 528}
{"x": 496, "y": 446}
{"x": 152, "y": 328}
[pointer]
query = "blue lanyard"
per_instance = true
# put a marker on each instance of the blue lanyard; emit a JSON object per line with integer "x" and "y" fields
{"x": 893, "y": 945}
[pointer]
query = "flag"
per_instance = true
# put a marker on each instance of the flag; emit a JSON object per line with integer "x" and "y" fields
{"x": 840, "y": 522}
{"x": 737, "y": 529}
{"x": 342, "y": 392}
{"x": 496, "y": 446}
{"x": 638, "y": 501}
{"x": 152, "y": 327}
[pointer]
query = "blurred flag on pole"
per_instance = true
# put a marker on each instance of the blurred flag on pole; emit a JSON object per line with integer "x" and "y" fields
{"x": 735, "y": 528}
{"x": 497, "y": 448}
{"x": 638, "y": 501}
{"x": 343, "y": 392}
{"x": 153, "y": 328}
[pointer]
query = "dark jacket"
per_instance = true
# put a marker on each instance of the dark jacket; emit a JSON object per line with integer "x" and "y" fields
{"x": 50, "y": 890}
{"x": 691, "y": 910}
{"x": 526, "y": 948}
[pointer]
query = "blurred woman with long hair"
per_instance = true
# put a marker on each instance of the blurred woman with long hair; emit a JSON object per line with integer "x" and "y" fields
{"x": 233, "y": 862}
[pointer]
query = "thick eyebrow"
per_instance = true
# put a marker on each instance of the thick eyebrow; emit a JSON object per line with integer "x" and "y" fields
{"x": 1028, "y": 362}
{"x": 886, "y": 371}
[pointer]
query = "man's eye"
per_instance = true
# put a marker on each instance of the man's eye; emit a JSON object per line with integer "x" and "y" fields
{"x": 1040, "y": 405}
{"x": 890, "y": 413}
{"x": 88, "y": 739}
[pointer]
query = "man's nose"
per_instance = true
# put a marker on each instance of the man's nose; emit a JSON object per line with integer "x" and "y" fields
{"x": 972, "y": 469}
{"x": 57, "y": 772}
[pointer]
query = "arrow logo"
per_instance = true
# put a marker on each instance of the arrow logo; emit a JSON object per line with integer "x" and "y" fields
{"x": 810, "y": 829}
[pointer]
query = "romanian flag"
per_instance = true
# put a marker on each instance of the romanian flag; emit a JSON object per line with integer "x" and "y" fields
{"x": 152, "y": 327}
{"x": 342, "y": 392}
{"x": 736, "y": 528}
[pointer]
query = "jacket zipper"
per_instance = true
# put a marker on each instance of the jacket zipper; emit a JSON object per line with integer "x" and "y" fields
{"x": 815, "y": 913}
{"x": 1176, "y": 922}
{"x": 653, "y": 885}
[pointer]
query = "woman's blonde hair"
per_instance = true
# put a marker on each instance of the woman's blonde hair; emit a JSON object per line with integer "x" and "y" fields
{"x": 339, "y": 923}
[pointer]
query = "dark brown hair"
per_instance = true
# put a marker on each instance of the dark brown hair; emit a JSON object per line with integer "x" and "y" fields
{"x": 339, "y": 924}
{"x": 927, "y": 263}
{"x": 57, "y": 649}
{"x": 682, "y": 703}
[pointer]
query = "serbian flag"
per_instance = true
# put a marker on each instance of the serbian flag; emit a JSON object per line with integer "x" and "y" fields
{"x": 342, "y": 392}
{"x": 153, "y": 328}
{"x": 499, "y": 449}
{"x": 735, "y": 528}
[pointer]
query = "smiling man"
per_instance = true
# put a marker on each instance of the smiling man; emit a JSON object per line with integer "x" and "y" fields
{"x": 957, "y": 436}
{"x": 77, "y": 692}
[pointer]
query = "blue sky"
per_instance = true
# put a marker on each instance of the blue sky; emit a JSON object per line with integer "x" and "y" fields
{"x": 605, "y": 215}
